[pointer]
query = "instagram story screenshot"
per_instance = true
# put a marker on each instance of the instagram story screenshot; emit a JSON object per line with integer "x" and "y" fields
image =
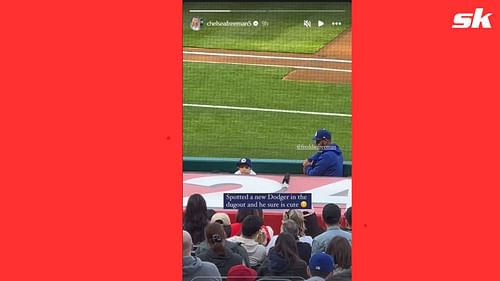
{"x": 267, "y": 127}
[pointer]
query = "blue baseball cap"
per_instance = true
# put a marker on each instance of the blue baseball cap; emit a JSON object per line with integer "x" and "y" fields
{"x": 322, "y": 134}
{"x": 321, "y": 262}
{"x": 245, "y": 161}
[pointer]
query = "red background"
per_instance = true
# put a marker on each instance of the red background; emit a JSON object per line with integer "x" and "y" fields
{"x": 90, "y": 110}
{"x": 425, "y": 100}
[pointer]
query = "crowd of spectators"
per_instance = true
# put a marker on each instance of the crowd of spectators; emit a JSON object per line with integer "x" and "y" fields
{"x": 214, "y": 249}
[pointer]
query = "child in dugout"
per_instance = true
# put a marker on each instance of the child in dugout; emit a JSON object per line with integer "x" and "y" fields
{"x": 245, "y": 167}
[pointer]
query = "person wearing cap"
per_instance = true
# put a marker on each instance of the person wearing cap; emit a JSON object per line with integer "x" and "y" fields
{"x": 328, "y": 161}
{"x": 245, "y": 167}
{"x": 320, "y": 267}
{"x": 223, "y": 219}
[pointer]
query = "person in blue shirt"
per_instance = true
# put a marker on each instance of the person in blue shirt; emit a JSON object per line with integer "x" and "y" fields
{"x": 331, "y": 215}
{"x": 328, "y": 161}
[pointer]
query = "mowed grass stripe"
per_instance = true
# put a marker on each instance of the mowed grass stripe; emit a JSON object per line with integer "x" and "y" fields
{"x": 226, "y": 133}
{"x": 260, "y": 87}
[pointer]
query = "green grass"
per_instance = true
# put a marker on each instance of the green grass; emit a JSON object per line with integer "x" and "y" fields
{"x": 259, "y": 86}
{"x": 233, "y": 133}
{"x": 285, "y": 33}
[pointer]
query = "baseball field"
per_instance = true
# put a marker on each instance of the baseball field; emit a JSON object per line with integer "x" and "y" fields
{"x": 262, "y": 88}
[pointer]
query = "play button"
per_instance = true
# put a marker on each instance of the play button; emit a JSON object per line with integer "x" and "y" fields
{"x": 320, "y": 23}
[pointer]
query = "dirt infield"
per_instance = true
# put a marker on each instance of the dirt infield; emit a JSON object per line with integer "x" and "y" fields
{"x": 331, "y": 64}
{"x": 340, "y": 47}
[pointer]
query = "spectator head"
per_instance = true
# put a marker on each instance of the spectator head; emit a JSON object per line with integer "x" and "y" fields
{"x": 215, "y": 235}
{"x": 251, "y": 226}
{"x": 210, "y": 213}
{"x": 311, "y": 222}
{"x": 289, "y": 226}
{"x": 243, "y": 213}
{"x": 241, "y": 273}
{"x": 340, "y": 249}
{"x": 260, "y": 213}
{"x": 196, "y": 209}
{"x": 298, "y": 217}
{"x": 196, "y": 217}
{"x": 320, "y": 264}
{"x": 286, "y": 245}
{"x": 331, "y": 214}
{"x": 224, "y": 220}
{"x": 348, "y": 217}
{"x": 187, "y": 244}
{"x": 221, "y": 218}
{"x": 245, "y": 166}
{"x": 196, "y": 202}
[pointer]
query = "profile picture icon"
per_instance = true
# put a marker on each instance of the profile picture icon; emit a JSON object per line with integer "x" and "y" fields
{"x": 196, "y": 23}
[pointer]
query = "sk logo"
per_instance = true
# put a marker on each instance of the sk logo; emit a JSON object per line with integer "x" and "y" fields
{"x": 469, "y": 20}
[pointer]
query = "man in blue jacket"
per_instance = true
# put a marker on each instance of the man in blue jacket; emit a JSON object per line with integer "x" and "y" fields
{"x": 328, "y": 161}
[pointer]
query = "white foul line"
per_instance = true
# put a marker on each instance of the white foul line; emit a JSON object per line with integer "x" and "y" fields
{"x": 266, "y": 110}
{"x": 274, "y": 65}
{"x": 265, "y": 57}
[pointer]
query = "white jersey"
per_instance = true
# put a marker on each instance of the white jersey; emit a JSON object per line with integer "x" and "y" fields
{"x": 252, "y": 173}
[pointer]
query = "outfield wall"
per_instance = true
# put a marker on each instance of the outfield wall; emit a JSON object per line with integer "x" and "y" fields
{"x": 265, "y": 166}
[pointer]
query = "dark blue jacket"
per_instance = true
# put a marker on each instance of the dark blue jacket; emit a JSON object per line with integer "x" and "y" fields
{"x": 327, "y": 162}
